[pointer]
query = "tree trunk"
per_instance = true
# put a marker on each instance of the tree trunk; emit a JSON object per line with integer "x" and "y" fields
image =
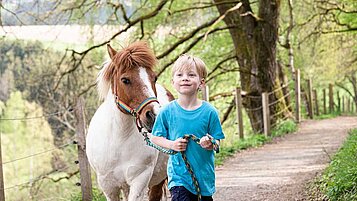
{"x": 255, "y": 39}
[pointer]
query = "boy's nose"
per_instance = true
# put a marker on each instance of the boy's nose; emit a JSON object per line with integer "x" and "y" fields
{"x": 185, "y": 77}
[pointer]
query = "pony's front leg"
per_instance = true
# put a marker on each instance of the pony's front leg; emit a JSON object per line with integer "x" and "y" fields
{"x": 139, "y": 184}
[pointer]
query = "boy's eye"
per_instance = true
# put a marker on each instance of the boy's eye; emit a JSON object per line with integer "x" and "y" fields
{"x": 191, "y": 75}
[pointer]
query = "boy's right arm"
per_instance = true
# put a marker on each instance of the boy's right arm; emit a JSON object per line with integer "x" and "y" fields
{"x": 179, "y": 144}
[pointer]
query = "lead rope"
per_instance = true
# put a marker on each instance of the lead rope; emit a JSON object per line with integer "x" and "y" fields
{"x": 183, "y": 153}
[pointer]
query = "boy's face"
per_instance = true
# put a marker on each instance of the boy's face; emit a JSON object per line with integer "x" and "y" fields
{"x": 187, "y": 81}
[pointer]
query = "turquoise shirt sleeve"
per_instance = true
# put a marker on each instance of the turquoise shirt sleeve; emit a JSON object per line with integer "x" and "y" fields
{"x": 160, "y": 127}
{"x": 215, "y": 127}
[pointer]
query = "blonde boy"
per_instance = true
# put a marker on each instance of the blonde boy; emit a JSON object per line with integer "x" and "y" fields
{"x": 189, "y": 115}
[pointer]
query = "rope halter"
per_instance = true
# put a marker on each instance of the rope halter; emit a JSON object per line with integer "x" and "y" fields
{"x": 135, "y": 112}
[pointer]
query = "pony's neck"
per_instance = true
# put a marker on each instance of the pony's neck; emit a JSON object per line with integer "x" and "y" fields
{"x": 124, "y": 122}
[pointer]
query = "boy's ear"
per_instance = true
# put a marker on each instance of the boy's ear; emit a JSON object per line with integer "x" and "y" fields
{"x": 203, "y": 81}
{"x": 202, "y": 84}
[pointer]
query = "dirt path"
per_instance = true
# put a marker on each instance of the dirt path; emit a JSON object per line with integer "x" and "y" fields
{"x": 280, "y": 170}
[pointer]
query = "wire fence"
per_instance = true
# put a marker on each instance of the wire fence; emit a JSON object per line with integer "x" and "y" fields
{"x": 16, "y": 168}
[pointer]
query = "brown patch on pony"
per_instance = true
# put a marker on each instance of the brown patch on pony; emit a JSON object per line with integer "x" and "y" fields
{"x": 156, "y": 192}
{"x": 137, "y": 54}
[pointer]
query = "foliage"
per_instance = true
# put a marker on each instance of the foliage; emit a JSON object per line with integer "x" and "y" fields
{"x": 284, "y": 127}
{"x": 25, "y": 133}
{"x": 339, "y": 180}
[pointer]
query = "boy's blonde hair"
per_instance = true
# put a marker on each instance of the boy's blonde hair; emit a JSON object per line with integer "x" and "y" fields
{"x": 187, "y": 62}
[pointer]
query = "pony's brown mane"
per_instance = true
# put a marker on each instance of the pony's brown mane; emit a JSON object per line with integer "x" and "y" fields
{"x": 137, "y": 54}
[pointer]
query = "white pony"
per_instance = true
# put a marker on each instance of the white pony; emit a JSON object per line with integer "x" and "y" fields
{"x": 115, "y": 148}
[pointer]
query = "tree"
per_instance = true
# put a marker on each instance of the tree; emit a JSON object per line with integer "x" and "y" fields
{"x": 255, "y": 39}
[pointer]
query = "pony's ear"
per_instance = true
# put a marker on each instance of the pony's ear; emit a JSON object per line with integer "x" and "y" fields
{"x": 111, "y": 51}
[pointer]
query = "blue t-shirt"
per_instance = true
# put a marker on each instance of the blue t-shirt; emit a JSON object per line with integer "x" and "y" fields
{"x": 174, "y": 122}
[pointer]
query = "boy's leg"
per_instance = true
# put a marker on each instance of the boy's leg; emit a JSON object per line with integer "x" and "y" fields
{"x": 180, "y": 193}
{"x": 207, "y": 198}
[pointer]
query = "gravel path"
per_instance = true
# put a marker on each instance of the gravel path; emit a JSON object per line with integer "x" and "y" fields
{"x": 280, "y": 170}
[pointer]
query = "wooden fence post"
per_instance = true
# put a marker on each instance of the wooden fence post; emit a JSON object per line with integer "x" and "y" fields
{"x": 316, "y": 103}
{"x": 311, "y": 107}
{"x": 266, "y": 113}
{"x": 2, "y": 189}
{"x": 297, "y": 96}
{"x": 331, "y": 106}
{"x": 325, "y": 110}
{"x": 239, "y": 107}
{"x": 84, "y": 168}
{"x": 205, "y": 93}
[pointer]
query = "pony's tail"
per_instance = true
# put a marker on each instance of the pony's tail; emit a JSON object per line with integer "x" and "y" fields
{"x": 103, "y": 85}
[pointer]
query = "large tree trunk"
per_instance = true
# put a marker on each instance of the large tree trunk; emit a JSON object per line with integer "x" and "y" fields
{"x": 255, "y": 39}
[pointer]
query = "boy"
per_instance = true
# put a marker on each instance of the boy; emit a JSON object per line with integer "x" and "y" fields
{"x": 189, "y": 115}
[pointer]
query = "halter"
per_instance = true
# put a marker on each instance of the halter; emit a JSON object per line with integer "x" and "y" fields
{"x": 135, "y": 112}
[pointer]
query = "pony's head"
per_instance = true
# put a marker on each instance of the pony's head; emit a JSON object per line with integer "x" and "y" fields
{"x": 132, "y": 80}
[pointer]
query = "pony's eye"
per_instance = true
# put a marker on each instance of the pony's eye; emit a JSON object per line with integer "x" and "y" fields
{"x": 125, "y": 80}
{"x": 155, "y": 79}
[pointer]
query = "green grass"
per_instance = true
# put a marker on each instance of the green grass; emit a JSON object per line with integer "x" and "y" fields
{"x": 255, "y": 140}
{"x": 327, "y": 116}
{"x": 97, "y": 195}
{"x": 288, "y": 126}
{"x": 339, "y": 180}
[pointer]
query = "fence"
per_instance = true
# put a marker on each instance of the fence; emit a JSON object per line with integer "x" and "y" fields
{"x": 310, "y": 96}
{"x": 312, "y": 103}
{"x": 31, "y": 164}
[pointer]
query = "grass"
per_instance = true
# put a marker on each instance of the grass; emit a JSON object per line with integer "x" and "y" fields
{"x": 254, "y": 140}
{"x": 97, "y": 195}
{"x": 339, "y": 180}
{"x": 327, "y": 116}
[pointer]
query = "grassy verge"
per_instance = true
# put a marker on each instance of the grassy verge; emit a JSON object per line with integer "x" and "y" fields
{"x": 255, "y": 140}
{"x": 339, "y": 180}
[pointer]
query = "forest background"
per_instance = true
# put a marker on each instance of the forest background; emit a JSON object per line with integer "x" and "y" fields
{"x": 51, "y": 52}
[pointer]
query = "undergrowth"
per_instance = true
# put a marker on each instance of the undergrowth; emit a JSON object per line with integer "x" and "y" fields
{"x": 339, "y": 180}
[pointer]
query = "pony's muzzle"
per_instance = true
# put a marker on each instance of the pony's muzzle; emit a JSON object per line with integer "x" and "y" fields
{"x": 148, "y": 121}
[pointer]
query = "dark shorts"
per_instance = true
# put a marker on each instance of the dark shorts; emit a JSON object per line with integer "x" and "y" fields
{"x": 180, "y": 193}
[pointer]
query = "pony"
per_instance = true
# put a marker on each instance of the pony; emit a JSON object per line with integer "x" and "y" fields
{"x": 115, "y": 146}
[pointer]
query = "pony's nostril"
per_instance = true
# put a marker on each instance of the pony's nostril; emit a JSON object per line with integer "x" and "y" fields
{"x": 150, "y": 115}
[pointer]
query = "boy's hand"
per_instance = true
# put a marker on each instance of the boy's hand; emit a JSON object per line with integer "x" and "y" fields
{"x": 179, "y": 144}
{"x": 206, "y": 143}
